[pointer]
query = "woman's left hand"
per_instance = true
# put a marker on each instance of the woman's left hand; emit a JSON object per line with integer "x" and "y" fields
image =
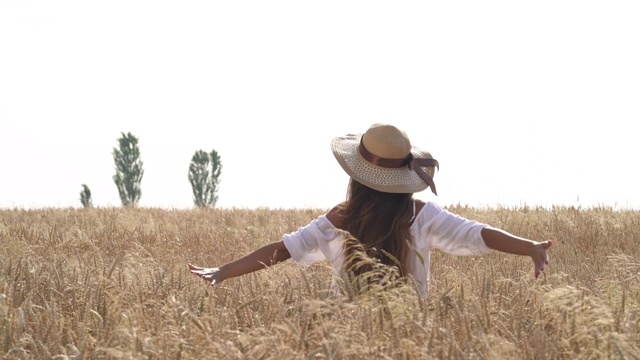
{"x": 540, "y": 257}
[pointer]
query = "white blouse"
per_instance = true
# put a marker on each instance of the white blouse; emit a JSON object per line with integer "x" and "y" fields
{"x": 433, "y": 227}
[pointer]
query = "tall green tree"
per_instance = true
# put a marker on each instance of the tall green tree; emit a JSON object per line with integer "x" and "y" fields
{"x": 204, "y": 176}
{"x": 85, "y": 197}
{"x": 129, "y": 170}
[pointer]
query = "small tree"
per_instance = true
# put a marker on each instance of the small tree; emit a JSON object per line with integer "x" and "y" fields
{"x": 204, "y": 176}
{"x": 128, "y": 169}
{"x": 85, "y": 197}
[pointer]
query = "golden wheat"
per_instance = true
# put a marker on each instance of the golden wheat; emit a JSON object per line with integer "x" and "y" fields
{"x": 113, "y": 284}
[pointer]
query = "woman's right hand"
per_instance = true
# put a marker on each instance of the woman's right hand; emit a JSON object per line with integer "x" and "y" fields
{"x": 212, "y": 275}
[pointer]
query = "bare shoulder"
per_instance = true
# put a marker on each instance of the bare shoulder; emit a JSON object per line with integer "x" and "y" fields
{"x": 419, "y": 205}
{"x": 336, "y": 215}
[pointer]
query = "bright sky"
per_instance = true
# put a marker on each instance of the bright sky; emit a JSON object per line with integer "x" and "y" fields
{"x": 532, "y": 102}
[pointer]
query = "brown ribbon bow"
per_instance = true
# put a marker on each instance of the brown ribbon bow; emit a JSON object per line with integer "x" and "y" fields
{"x": 413, "y": 163}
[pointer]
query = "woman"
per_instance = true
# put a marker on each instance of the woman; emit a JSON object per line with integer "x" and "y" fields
{"x": 381, "y": 215}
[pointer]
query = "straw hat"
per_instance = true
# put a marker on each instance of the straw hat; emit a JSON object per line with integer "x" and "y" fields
{"x": 383, "y": 159}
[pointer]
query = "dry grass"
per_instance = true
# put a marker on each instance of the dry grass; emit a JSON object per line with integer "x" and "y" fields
{"x": 113, "y": 283}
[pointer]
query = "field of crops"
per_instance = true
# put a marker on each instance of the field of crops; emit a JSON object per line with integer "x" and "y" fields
{"x": 113, "y": 283}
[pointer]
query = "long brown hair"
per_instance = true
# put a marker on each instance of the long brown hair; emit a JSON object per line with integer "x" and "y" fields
{"x": 380, "y": 223}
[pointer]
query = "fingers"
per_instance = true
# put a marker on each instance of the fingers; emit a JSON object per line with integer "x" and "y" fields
{"x": 211, "y": 275}
{"x": 547, "y": 244}
{"x": 198, "y": 271}
{"x": 543, "y": 259}
{"x": 201, "y": 273}
{"x": 206, "y": 271}
{"x": 539, "y": 270}
{"x": 193, "y": 267}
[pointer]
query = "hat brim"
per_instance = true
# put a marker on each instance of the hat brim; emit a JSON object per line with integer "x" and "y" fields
{"x": 390, "y": 180}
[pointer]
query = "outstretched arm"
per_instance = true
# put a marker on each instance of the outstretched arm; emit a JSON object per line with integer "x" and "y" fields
{"x": 503, "y": 241}
{"x": 259, "y": 259}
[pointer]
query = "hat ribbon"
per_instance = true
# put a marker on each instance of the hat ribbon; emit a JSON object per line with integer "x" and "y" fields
{"x": 413, "y": 163}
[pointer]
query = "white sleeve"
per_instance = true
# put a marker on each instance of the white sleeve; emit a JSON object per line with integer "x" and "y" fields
{"x": 320, "y": 240}
{"x": 451, "y": 233}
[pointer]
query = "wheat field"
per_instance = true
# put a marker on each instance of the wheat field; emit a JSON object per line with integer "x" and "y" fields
{"x": 112, "y": 283}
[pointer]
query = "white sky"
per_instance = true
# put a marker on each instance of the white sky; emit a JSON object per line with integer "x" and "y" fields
{"x": 532, "y": 103}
